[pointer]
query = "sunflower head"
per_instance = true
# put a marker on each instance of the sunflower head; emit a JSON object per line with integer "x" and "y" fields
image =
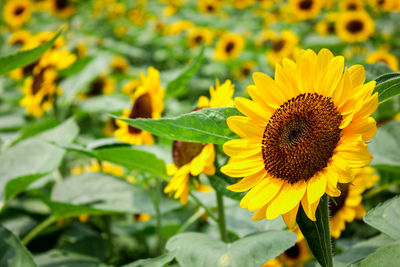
{"x": 305, "y": 9}
{"x": 16, "y": 13}
{"x": 229, "y": 46}
{"x": 220, "y": 96}
{"x": 301, "y": 134}
{"x": 283, "y": 45}
{"x": 351, "y": 5}
{"x": 209, "y": 6}
{"x": 383, "y": 55}
{"x": 355, "y": 26}
{"x": 198, "y": 36}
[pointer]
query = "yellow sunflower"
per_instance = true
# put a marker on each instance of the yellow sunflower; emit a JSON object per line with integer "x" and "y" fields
{"x": 298, "y": 254}
{"x": 282, "y": 46}
{"x": 326, "y": 26}
{"x": 301, "y": 135}
{"x": 305, "y": 9}
{"x": 229, "y": 46}
{"x": 354, "y": 26}
{"x": 17, "y": 12}
{"x": 178, "y": 27}
{"x": 130, "y": 87}
{"x": 348, "y": 206}
{"x": 20, "y": 38}
{"x": 147, "y": 103}
{"x": 191, "y": 159}
{"x": 209, "y": 6}
{"x": 100, "y": 85}
{"x": 61, "y": 8}
{"x": 382, "y": 55}
{"x": 383, "y": 5}
{"x": 351, "y": 5}
{"x": 40, "y": 91}
{"x": 272, "y": 263}
{"x": 242, "y": 4}
{"x": 244, "y": 69}
{"x": 119, "y": 64}
{"x": 199, "y": 35}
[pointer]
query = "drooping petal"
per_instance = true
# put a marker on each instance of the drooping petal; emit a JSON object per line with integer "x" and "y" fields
{"x": 316, "y": 187}
{"x": 290, "y": 217}
{"x": 247, "y": 182}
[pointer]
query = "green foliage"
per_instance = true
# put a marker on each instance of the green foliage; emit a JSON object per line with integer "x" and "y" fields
{"x": 385, "y": 218}
{"x": 55, "y": 258}
{"x": 204, "y": 126}
{"x": 383, "y": 256}
{"x": 388, "y": 86}
{"x": 195, "y": 249}
{"x": 24, "y": 58}
{"x": 12, "y": 252}
{"x": 375, "y": 71}
{"x": 154, "y": 262}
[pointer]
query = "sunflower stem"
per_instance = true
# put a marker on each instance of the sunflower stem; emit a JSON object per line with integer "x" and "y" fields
{"x": 221, "y": 216}
{"x": 156, "y": 202}
{"x": 198, "y": 202}
{"x": 38, "y": 229}
{"x": 317, "y": 233}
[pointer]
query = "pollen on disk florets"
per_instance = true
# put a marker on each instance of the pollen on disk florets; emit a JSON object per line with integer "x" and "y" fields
{"x": 300, "y": 137}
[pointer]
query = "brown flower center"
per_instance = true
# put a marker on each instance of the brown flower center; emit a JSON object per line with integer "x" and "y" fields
{"x": 338, "y": 204}
{"x": 184, "y": 152}
{"x": 278, "y": 45}
{"x": 198, "y": 39}
{"x": 210, "y": 8}
{"x": 141, "y": 109}
{"x": 300, "y": 137}
{"x": 306, "y": 4}
{"x": 229, "y": 47}
{"x": 352, "y": 6}
{"x": 61, "y": 4}
{"x": 38, "y": 81}
{"x": 19, "y": 10}
{"x": 293, "y": 252}
{"x": 96, "y": 87}
{"x": 355, "y": 26}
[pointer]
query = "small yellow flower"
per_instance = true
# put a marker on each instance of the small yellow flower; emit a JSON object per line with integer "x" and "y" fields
{"x": 282, "y": 46}
{"x": 61, "y": 8}
{"x": 209, "y": 6}
{"x": 351, "y": 5}
{"x": 17, "y": 12}
{"x": 229, "y": 46}
{"x": 199, "y": 35}
{"x": 305, "y": 9}
{"x": 119, "y": 64}
{"x": 355, "y": 26}
{"x": 383, "y": 55}
{"x": 19, "y": 37}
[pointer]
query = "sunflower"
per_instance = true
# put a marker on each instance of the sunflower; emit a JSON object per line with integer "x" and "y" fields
{"x": 272, "y": 263}
{"x": 40, "y": 92}
{"x": 326, "y": 26}
{"x": 209, "y": 6}
{"x": 351, "y": 5}
{"x": 138, "y": 16}
{"x": 191, "y": 159}
{"x": 244, "y": 69}
{"x": 16, "y": 13}
{"x": 305, "y": 9}
{"x": 148, "y": 103}
{"x": 95, "y": 166}
{"x": 282, "y": 46}
{"x": 298, "y": 254}
{"x": 61, "y": 8}
{"x": 141, "y": 217}
{"x": 354, "y": 26}
{"x": 348, "y": 206}
{"x": 382, "y": 55}
{"x": 130, "y": 87}
{"x": 383, "y": 5}
{"x": 178, "y": 27}
{"x": 119, "y": 64}
{"x": 301, "y": 135}
{"x": 100, "y": 85}
{"x": 242, "y": 4}
{"x": 19, "y": 37}
{"x": 199, "y": 35}
{"x": 229, "y": 46}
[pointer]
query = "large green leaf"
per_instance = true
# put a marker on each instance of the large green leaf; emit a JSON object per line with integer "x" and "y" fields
{"x": 58, "y": 257}
{"x": 385, "y": 147}
{"x": 134, "y": 159}
{"x": 21, "y": 59}
{"x": 177, "y": 85}
{"x": 373, "y": 71}
{"x": 98, "y": 192}
{"x": 317, "y": 233}
{"x": 196, "y": 250}
{"x": 204, "y": 126}
{"x": 152, "y": 262}
{"x": 32, "y": 158}
{"x": 388, "y": 86}
{"x": 385, "y": 217}
{"x": 12, "y": 252}
{"x": 104, "y": 103}
{"x": 384, "y": 256}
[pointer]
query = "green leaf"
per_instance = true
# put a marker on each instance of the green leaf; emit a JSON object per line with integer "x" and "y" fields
{"x": 220, "y": 185}
{"x": 317, "y": 233}
{"x": 104, "y": 103}
{"x": 24, "y": 58}
{"x": 12, "y": 252}
{"x": 204, "y": 126}
{"x": 152, "y": 262}
{"x": 385, "y": 147}
{"x": 134, "y": 159}
{"x": 32, "y": 158}
{"x": 385, "y": 217}
{"x": 177, "y": 85}
{"x": 98, "y": 193}
{"x": 373, "y": 71}
{"x": 58, "y": 257}
{"x": 384, "y": 256}
{"x": 79, "y": 82}
{"x": 195, "y": 249}
{"x": 388, "y": 86}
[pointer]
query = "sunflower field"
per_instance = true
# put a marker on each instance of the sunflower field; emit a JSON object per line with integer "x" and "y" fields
{"x": 199, "y": 133}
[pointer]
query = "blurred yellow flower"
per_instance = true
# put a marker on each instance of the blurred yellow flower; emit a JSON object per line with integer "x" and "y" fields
{"x": 17, "y": 12}
{"x": 383, "y": 55}
{"x": 229, "y": 46}
{"x": 355, "y": 26}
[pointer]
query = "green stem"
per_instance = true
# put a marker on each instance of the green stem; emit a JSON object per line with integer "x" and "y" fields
{"x": 380, "y": 189}
{"x": 38, "y": 229}
{"x": 191, "y": 220}
{"x": 317, "y": 233}
{"x": 198, "y": 202}
{"x": 221, "y": 216}
{"x": 156, "y": 202}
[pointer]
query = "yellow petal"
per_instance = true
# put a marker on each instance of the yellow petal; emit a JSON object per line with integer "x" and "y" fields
{"x": 247, "y": 182}
{"x": 288, "y": 197}
{"x": 333, "y": 76}
{"x": 316, "y": 187}
{"x": 331, "y": 186}
{"x": 260, "y": 214}
{"x": 253, "y": 110}
{"x": 245, "y": 127}
{"x": 242, "y": 147}
{"x": 265, "y": 194}
{"x": 355, "y": 153}
{"x": 244, "y": 167}
{"x": 365, "y": 126}
{"x": 357, "y": 75}
{"x": 290, "y": 217}
{"x": 309, "y": 209}
{"x": 268, "y": 88}
{"x": 257, "y": 96}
